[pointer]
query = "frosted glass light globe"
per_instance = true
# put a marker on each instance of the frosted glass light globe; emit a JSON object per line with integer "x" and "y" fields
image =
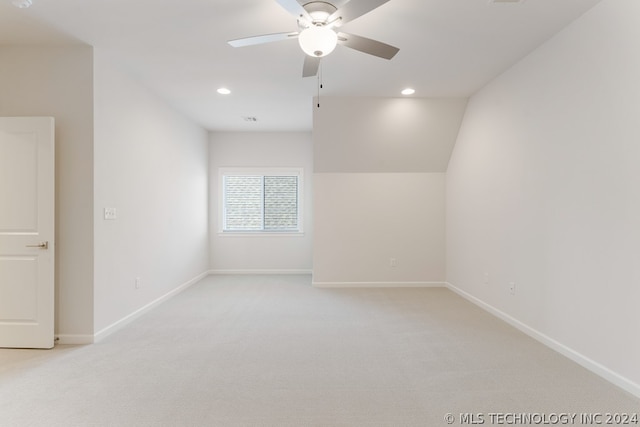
{"x": 318, "y": 41}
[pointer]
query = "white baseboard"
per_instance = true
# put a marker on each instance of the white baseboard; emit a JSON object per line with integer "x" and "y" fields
{"x": 379, "y": 284}
{"x": 131, "y": 317}
{"x": 591, "y": 365}
{"x": 259, "y": 272}
{"x": 70, "y": 339}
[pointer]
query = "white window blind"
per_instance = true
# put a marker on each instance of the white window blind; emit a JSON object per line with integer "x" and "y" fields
{"x": 243, "y": 203}
{"x": 261, "y": 203}
{"x": 281, "y": 203}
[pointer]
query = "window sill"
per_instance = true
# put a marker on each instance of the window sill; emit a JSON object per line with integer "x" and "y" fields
{"x": 260, "y": 234}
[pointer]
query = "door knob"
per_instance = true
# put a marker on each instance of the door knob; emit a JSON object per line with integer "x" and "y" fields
{"x": 42, "y": 245}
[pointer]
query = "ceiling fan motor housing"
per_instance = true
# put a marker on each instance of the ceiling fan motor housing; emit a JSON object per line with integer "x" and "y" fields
{"x": 320, "y": 11}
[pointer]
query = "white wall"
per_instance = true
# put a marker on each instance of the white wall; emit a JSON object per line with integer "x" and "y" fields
{"x": 379, "y": 188}
{"x": 365, "y": 219}
{"x": 260, "y": 253}
{"x": 542, "y": 190}
{"x": 57, "y": 82}
{"x": 151, "y": 165}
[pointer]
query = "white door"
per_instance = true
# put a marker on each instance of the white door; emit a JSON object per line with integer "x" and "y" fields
{"x": 26, "y": 232}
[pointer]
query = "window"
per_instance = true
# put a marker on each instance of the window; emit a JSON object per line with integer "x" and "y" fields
{"x": 261, "y": 201}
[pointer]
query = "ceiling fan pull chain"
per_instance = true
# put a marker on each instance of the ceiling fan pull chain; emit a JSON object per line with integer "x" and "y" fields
{"x": 319, "y": 83}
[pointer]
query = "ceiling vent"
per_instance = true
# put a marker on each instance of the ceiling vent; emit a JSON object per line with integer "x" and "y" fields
{"x": 22, "y": 4}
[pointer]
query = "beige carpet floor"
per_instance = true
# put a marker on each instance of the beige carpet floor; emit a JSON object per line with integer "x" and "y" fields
{"x": 274, "y": 351}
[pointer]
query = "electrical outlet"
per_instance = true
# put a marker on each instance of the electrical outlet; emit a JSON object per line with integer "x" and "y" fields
{"x": 486, "y": 278}
{"x": 393, "y": 262}
{"x": 512, "y": 288}
{"x": 138, "y": 283}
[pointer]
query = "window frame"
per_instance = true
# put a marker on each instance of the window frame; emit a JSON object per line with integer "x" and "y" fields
{"x": 260, "y": 171}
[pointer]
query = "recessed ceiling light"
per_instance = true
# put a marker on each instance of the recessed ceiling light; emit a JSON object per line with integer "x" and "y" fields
{"x": 224, "y": 91}
{"x": 408, "y": 91}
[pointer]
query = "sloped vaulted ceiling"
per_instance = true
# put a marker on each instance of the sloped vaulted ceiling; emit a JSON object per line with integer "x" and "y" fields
{"x": 178, "y": 48}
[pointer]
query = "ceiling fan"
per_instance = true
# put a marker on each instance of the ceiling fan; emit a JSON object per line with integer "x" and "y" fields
{"x": 317, "y": 36}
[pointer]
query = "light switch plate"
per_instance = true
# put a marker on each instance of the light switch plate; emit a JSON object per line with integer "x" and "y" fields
{"x": 110, "y": 213}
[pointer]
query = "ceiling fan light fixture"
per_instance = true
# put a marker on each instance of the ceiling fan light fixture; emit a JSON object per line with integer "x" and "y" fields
{"x": 318, "y": 40}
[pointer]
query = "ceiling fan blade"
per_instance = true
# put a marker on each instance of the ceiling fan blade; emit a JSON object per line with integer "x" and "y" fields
{"x": 363, "y": 44}
{"x": 311, "y": 65}
{"x": 265, "y": 38}
{"x": 294, "y": 8}
{"x": 354, "y": 9}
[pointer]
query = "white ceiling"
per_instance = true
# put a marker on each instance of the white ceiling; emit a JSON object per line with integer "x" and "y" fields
{"x": 448, "y": 48}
